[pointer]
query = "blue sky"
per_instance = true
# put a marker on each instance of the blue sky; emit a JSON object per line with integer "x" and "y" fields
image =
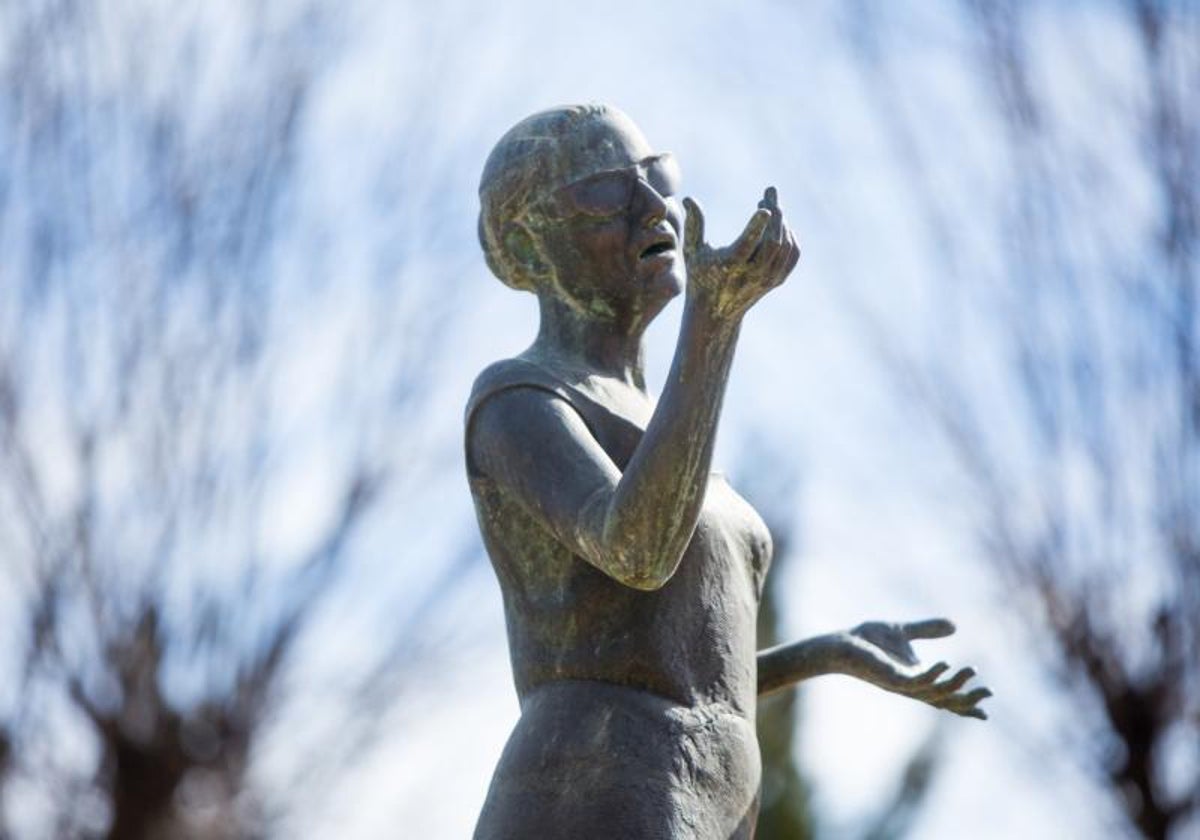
{"x": 379, "y": 230}
{"x": 745, "y": 95}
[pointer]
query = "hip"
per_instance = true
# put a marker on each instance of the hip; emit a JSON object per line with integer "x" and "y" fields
{"x": 585, "y": 754}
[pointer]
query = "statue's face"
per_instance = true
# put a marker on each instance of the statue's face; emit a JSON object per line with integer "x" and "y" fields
{"x": 610, "y": 222}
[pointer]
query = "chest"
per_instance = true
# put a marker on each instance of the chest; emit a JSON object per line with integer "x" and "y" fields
{"x": 728, "y": 523}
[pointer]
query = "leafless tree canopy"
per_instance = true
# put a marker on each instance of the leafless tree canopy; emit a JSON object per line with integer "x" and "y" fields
{"x": 152, "y": 425}
{"x": 787, "y": 802}
{"x": 1073, "y": 403}
{"x": 162, "y": 271}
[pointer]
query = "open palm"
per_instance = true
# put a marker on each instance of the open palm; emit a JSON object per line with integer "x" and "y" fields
{"x": 881, "y": 653}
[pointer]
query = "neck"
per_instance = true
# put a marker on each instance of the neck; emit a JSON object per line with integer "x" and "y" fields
{"x": 586, "y": 343}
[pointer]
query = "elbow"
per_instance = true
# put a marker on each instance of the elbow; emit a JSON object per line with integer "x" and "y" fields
{"x": 643, "y": 556}
{"x": 646, "y": 574}
{"x": 645, "y": 582}
{"x": 639, "y": 563}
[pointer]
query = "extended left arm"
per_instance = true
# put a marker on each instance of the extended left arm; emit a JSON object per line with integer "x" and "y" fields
{"x": 880, "y": 654}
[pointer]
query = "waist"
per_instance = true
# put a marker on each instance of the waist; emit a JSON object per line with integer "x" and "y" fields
{"x": 632, "y": 733}
{"x": 584, "y": 697}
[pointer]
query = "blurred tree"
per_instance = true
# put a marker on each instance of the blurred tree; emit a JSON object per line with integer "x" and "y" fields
{"x": 173, "y": 543}
{"x": 786, "y": 799}
{"x": 899, "y": 813}
{"x": 1065, "y": 376}
{"x": 786, "y": 805}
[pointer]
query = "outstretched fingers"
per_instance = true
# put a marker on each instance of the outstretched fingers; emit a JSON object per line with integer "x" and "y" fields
{"x": 956, "y": 682}
{"x": 930, "y": 628}
{"x": 946, "y": 696}
{"x": 929, "y": 677}
{"x": 967, "y": 704}
{"x": 977, "y": 696}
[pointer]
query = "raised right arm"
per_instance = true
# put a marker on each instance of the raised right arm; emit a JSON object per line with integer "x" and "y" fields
{"x": 634, "y": 525}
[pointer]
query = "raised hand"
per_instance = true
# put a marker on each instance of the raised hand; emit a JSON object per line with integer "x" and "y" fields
{"x": 733, "y": 278}
{"x": 881, "y": 654}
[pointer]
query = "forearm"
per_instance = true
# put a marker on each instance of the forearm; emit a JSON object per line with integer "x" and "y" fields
{"x": 652, "y": 514}
{"x": 879, "y": 653}
{"x": 781, "y": 666}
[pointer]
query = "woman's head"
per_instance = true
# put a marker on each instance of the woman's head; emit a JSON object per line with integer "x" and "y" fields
{"x": 571, "y": 198}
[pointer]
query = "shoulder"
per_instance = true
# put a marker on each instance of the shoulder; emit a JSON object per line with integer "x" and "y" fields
{"x": 521, "y": 411}
{"x": 516, "y": 407}
{"x": 507, "y": 374}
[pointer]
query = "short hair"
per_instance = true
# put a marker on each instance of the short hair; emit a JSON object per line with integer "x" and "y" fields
{"x": 523, "y": 161}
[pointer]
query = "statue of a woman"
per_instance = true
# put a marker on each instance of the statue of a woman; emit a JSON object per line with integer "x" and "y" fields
{"x": 631, "y": 573}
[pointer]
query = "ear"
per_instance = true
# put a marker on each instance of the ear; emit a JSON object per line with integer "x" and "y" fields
{"x": 523, "y": 251}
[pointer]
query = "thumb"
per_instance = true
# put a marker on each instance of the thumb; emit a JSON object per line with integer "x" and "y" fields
{"x": 693, "y": 231}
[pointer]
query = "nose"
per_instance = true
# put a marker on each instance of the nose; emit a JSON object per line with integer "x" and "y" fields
{"x": 650, "y": 206}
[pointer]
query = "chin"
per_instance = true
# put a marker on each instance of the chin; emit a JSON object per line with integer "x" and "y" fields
{"x": 661, "y": 289}
{"x": 672, "y": 280}
{"x": 667, "y": 281}
{"x": 673, "y": 285}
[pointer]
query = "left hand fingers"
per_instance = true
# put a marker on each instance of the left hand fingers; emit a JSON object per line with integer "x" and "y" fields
{"x": 966, "y": 705}
{"x": 979, "y": 694}
{"x": 930, "y": 676}
{"x": 956, "y": 682}
{"x": 930, "y": 628}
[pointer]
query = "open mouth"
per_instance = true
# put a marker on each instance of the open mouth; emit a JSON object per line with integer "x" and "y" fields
{"x": 663, "y": 246}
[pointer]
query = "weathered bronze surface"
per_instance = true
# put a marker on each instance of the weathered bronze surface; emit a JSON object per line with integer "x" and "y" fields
{"x": 630, "y": 572}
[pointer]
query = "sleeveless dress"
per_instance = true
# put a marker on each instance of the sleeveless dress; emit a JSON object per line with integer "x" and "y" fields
{"x": 637, "y": 708}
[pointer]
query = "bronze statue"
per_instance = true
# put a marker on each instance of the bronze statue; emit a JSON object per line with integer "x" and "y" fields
{"x": 631, "y": 573}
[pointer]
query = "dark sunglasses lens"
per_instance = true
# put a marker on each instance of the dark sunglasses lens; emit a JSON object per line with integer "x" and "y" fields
{"x": 603, "y": 195}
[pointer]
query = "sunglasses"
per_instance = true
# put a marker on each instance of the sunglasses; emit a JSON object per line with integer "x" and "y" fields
{"x": 610, "y": 193}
